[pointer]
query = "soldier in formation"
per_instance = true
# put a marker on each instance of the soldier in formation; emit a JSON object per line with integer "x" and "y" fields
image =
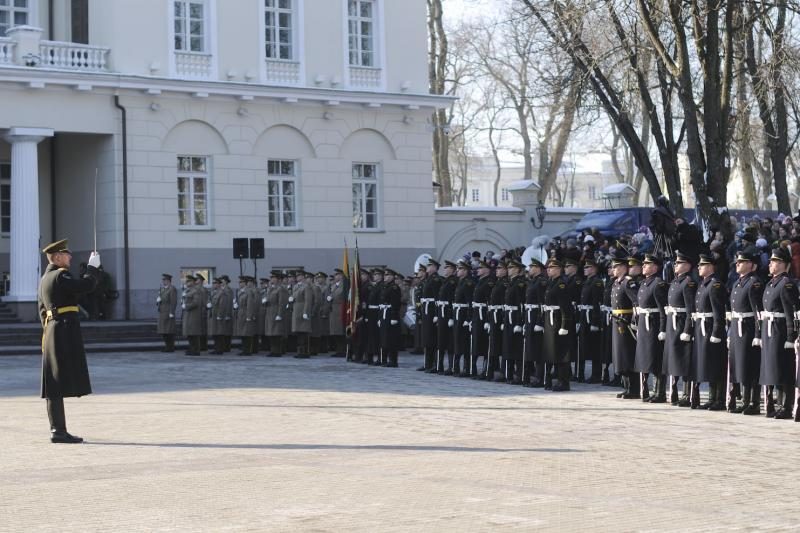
{"x": 166, "y": 304}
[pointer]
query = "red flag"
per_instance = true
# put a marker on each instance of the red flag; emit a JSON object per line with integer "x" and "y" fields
{"x": 355, "y": 293}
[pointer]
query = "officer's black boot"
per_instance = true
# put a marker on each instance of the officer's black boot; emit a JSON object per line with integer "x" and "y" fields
{"x": 719, "y": 397}
{"x": 735, "y": 392}
{"x": 685, "y": 400}
{"x": 580, "y": 370}
{"x": 712, "y": 395}
{"x": 660, "y": 390}
{"x": 644, "y": 386}
{"x": 695, "y": 395}
{"x": 673, "y": 393}
{"x": 425, "y": 361}
{"x": 203, "y": 343}
{"x": 604, "y": 379}
{"x": 797, "y": 411}
{"x": 770, "y": 402}
{"x": 563, "y": 373}
{"x": 755, "y": 400}
{"x": 786, "y": 402}
{"x": 748, "y": 392}
{"x": 58, "y": 423}
{"x": 526, "y": 373}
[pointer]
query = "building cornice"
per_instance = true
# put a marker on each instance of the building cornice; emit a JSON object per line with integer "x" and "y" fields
{"x": 40, "y": 78}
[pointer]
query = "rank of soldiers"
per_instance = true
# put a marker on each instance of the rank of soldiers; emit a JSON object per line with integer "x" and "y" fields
{"x": 535, "y": 325}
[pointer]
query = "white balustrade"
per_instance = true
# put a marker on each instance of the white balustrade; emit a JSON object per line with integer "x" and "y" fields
{"x": 7, "y": 51}
{"x": 72, "y": 56}
{"x": 283, "y": 72}
{"x": 365, "y": 77}
{"x": 193, "y": 65}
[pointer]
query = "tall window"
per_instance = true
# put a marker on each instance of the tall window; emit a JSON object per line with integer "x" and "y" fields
{"x": 192, "y": 191}
{"x": 504, "y": 195}
{"x": 365, "y": 196}
{"x": 476, "y": 195}
{"x": 14, "y": 13}
{"x": 190, "y": 26}
{"x": 5, "y": 197}
{"x": 278, "y": 29}
{"x": 80, "y": 21}
{"x": 361, "y": 32}
{"x": 282, "y": 193}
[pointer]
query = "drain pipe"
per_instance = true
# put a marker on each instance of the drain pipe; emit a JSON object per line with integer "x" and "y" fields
{"x": 126, "y": 249}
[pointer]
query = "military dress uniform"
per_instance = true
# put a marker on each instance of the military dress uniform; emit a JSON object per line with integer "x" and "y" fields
{"x": 390, "y": 316}
{"x": 166, "y": 304}
{"x": 65, "y": 372}
{"x": 445, "y": 322}
{"x": 277, "y": 317}
{"x": 677, "y": 343}
{"x": 559, "y": 330}
{"x": 532, "y": 356}
{"x": 228, "y": 321}
{"x": 246, "y": 320}
{"x": 651, "y": 300}
{"x": 416, "y": 298}
{"x": 193, "y": 316}
{"x": 744, "y": 353}
{"x": 778, "y": 333}
{"x": 205, "y": 306}
{"x": 261, "y": 342}
{"x": 220, "y": 318}
{"x": 607, "y": 328}
{"x": 302, "y": 300}
{"x": 430, "y": 290}
{"x": 373, "y": 317}
{"x": 359, "y": 336}
{"x": 337, "y": 300}
{"x": 462, "y": 322}
{"x": 590, "y": 319}
{"x": 480, "y": 323}
{"x": 710, "y": 354}
{"x": 623, "y": 338}
{"x": 575, "y": 287}
{"x": 513, "y": 335}
{"x": 497, "y": 301}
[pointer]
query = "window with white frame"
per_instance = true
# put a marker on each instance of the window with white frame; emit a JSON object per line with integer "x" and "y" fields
{"x": 476, "y": 195}
{"x": 361, "y": 19}
{"x": 14, "y": 13}
{"x": 282, "y": 193}
{"x": 592, "y": 192}
{"x": 365, "y": 196}
{"x": 191, "y": 28}
{"x": 504, "y": 195}
{"x": 5, "y": 197}
{"x": 278, "y": 29}
{"x": 193, "y": 191}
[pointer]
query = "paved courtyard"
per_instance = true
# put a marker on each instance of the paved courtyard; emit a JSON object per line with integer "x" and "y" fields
{"x": 257, "y": 444}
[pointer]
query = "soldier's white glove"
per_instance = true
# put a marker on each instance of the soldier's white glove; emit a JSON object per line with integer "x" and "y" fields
{"x": 435, "y": 319}
{"x": 329, "y": 298}
{"x": 379, "y": 323}
{"x": 450, "y": 323}
{"x": 235, "y": 305}
{"x": 264, "y": 301}
{"x": 788, "y": 345}
{"x": 247, "y": 320}
{"x": 466, "y": 324}
{"x": 171, "y": 315}
{"x": 517, "y": 329}
{"x": 487, "y": 327}
{"x": 714, "y": 340}
{"x": 278, "y": 318}
{"x": 502, "y": 327}
{"x": 685, "y": 337}
{"x": 158, "y": 300}
{"x": 94, "y": 260}
{"x": 305, "y": 316}
{"x": 756, "y": 342}
{"x": 662, "y": 336}
{"x": 393, "y": 322}
{"x": 594, "y": 328}
{"x": 634, "y": 327}
{"x": 183, "y": 306}
{"x": 208, "y": 305}
{"x": 563, "y": 332}
{"x": 291, "y": 299}
{"x": 538, "y": 329}
{"x": 577, "y": 328}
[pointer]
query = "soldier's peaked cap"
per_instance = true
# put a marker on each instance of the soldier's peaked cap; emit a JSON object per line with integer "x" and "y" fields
{"x": 706, "y": 260}
{"x": 225, "y": 278}
{"x": 589, "y": 263}
{"x": 535, "y": 263}
{"x": 681, "y": 257}
{"x": 651, "y": 259}
{"x": 569, "y": 261}
{"x": 483, "y": 264}
{"x": 450, "y": 264}
{"x": 634, "y": 260}
{"x": 745, "y": 256}
{"x": 322, "y": 275}
{"x": 377, "y": 271}
{"x": 516, "y": 264}
{"x": 617, "y": 261}
{"x": 434, "y": 262}
{"x": 781, "y": 254}
{"x": 198, "y": 275}
{"x": 166, "y": 276}
{"x": 189, "y": 277}
{"x": 338, "y": 271}
{"x": 553, "y": 262}
{"x": 55, "y": 247}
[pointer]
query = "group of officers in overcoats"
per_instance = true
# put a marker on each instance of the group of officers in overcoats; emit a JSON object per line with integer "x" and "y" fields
{"x": 529, "y": 324}
{"x": 263, "y": 313}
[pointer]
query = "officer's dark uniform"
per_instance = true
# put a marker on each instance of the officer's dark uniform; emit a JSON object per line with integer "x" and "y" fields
{"x": 480, "y": 322}
{"x": 651, "y": 323}
{"x": 390, "y": 321}
{"x": 559, "y": 328}
{"x": 513, "y": 338}
{"x": 575, "y": 287}
{"x": 65, "y": 373}
{"x": 430, "y": 290}
{"x": 445, "y": 322}
{"x": 623, "y": 339}
{"x": 744, "y": 353}
{"x": 677, "y": 352}
{"x": 778, "y": 366}
{"x": 362, "y": 324}
{"x": 417, "y": 292}
{"x": 373, "y": 317}
{"x": 462, "y": 312}
{"x": 710, "y": 354}
{"x": 590, "y": 318}
{"x": 607, "y": 328}
{"x": 496, "y": 319}
{"x": 532, "y": 357}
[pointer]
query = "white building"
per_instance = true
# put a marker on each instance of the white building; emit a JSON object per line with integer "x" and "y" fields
{"x": 299, "y": 121}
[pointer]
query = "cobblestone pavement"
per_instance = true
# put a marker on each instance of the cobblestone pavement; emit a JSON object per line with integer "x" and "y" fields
{"x": 258, "y": 444}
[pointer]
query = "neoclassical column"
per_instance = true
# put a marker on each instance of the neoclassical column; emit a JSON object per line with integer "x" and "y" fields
{"x": 25, "y": 234}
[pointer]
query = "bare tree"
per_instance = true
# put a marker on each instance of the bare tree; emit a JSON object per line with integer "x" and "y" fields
{"x": 437, "y": 77}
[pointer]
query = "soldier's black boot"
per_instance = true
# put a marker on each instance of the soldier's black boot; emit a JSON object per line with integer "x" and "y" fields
{"x": 787, "y": 402}
{"x": 659, "y": 390}
{"x": 605, "y": 380}
{"x": 734, "y": 392}
{"x": 746, "y": 395}
{"x": 719, "y": 398}
{"x": 797, "y": 411}
{"x": 58, "y": 423}
{"x": 526, "y": 373}
{"x": 685, "y": 400}
{"x": 712, "y": 395}
{"x": 673, "y": 393}
{"x": 644, "y": 386}
{"x": 217, "y": 345}
{"x": 625, "y": 387}
{"x": 203, "y": 343}
{"x": 770, "y": 402}
{"x": 562, "y": 382}
{"x": 695, "y": 395}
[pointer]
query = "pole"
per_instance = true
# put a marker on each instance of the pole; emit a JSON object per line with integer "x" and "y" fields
{"x": 94, "y": 217}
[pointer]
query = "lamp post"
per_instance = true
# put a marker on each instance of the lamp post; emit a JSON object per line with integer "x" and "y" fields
{"x": 541, "y": 212}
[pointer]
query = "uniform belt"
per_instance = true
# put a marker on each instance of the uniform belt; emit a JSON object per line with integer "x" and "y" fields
{"x": 476, "y": 305}
{"x": 62, "y": 310}
{"x": 479, "y": 307}
{"x": 702, "y": 316}
{"x": 532, "y": 306}
{"x": 674, "y": 312}
{"x": 460, "y": 306}
{"x": 552, "y": 310}
{"x": 647, "y": 311}
{"x": 495, "y": 307}
{"x": 426, "y": 301}
{"x": 771, "y": 316}
{"x": 373, "y": 307}
{"x": 618, "y": 312}
{"x": 739, "y": 316}
{"x": 585, "y": 307}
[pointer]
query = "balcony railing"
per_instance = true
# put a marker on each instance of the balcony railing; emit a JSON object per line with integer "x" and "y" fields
{"x": 73, "y": 56}
{"x": 193, "y": 64}
{"x": 6, "y": 51}
{"x": 283, "y": 72}
{"x": 365, "y": 77}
